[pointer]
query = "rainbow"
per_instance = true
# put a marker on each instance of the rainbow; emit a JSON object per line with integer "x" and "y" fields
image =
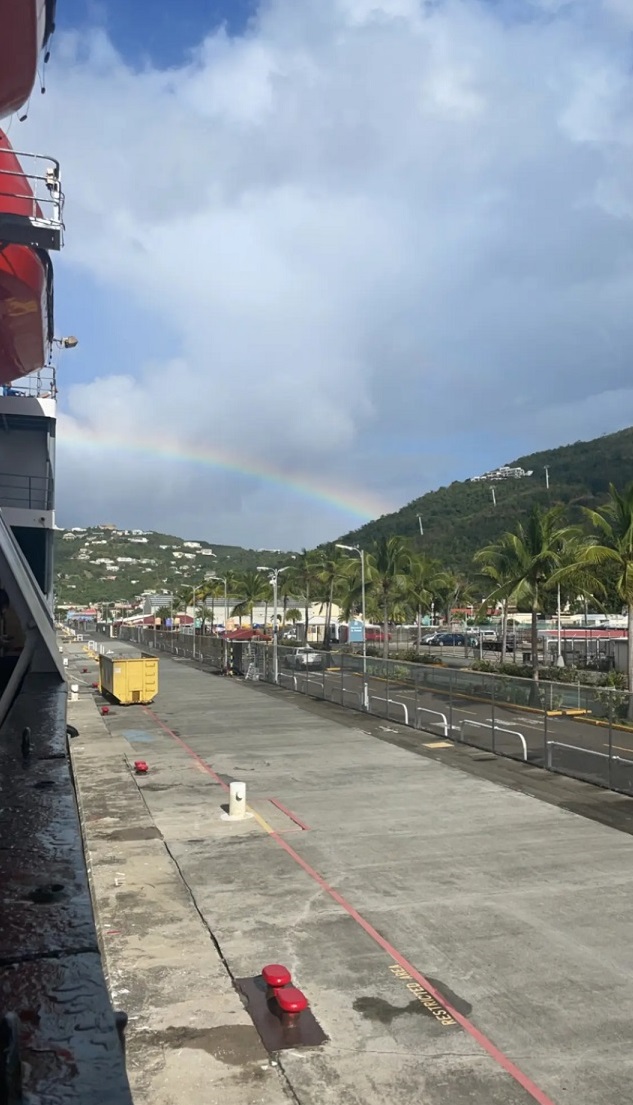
{"x": 363, "y": 505}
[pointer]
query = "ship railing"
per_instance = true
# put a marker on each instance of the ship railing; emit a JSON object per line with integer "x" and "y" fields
{"x": 36, "y": 190}
{"x": 39, "y": 385}
{"x": 22, "y": 492}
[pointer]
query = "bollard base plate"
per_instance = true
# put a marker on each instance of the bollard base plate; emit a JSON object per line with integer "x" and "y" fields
{"x": 305, "y": 1031}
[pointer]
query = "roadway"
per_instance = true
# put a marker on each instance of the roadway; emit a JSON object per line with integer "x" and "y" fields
{"x": 576, "y": 746}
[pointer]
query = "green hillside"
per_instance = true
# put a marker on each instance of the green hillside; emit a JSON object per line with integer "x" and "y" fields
{"x": 106, "y": 565}
{"x": 459, "y": 519}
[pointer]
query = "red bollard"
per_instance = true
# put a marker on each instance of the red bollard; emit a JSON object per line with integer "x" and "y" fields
{"x": 292, "y": 1003}
{"x": 275, "y": 976}
{"x": 105, "y": 709}
{"x": 140, "y": 767}
{"x": 94, "y": 686}
{"x": 84, "y": 670}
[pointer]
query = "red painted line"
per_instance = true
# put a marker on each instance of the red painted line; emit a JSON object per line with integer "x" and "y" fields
{"x": 188, "y": 750}
{"x": 288, "y": 813}
{"x": 502, "y": 1060}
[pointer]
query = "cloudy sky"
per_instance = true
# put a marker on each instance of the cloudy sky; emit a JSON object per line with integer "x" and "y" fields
{"x": 324, "y": 255}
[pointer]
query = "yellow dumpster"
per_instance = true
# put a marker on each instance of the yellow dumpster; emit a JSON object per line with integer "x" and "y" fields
{"x": 129, "y": 679}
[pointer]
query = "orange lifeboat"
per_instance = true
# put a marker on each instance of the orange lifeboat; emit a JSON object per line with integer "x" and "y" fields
{"x": 25, "y": 28}
{"x": 26, "y": 282}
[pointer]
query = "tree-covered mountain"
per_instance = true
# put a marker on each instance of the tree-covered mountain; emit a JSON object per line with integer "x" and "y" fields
{"x": 459, "y": 519}
{"x": 106, "y": 564}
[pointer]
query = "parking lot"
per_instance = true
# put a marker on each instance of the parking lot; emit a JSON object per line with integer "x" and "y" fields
{"x": 569, "y": 743}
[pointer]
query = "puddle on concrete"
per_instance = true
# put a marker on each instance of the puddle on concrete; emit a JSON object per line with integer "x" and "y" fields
{"x": 460, "y": 1004}
{"x": 377, "y": 1009}
{"x": 45, "y": 895}
{"x": 149, "y": 833}
{"x": 233, "y": 1044}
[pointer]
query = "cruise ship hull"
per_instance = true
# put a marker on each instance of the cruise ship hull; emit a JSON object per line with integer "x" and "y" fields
{"x": 26, "y": 26}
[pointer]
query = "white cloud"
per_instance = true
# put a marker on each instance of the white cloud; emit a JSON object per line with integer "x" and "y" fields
{"x": 366, "y": 221}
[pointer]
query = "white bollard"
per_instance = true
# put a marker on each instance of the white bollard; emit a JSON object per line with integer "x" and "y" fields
{"x": 237, "y": 800}
{"x": 74, "y": 692}
{"x": 65, "y": 662}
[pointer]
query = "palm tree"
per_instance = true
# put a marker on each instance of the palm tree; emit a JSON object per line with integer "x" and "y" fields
{"x": 452, "y": 590}
{"x": 330, "y": 574}
{"x": 202, "y": 613}
{"x": 255, "y": 587}
{"x": 183, "y": 597}
{"x": 539, "y": 550}
{"x": 284, "y": 588}
{"x": 302, "y": 578}
{"x": 199, "y": 593}
{"x": 613, "y": 545}
{"x": 422, "y": 581}
{"x": 498, "y": 563}
{"x": 213, "y": 589}
{"x": 387, "y": 569}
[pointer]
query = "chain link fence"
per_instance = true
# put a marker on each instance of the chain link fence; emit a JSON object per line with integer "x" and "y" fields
{"x": 574, "y": 729}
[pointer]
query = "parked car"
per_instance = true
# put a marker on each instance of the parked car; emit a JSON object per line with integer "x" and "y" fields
{"x": 450, "y": 639}
{"x": 304, "y": 657}
{"x": 373, "y": 635}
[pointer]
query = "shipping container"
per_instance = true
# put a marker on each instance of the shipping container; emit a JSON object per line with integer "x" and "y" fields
{"x": 129, "y": 679}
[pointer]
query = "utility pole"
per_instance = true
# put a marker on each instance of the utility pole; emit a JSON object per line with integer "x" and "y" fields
{"x": 421, "y": 526}
{"x": 560, "y": 660}
{"x": 274, "y": 579}
{"x": 494, "y": 497}
{"x": 546, "y": 466}
{"x": 361, "y": 554}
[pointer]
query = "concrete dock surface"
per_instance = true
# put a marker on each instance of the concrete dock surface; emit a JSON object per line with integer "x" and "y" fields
{"x": 459, "y": 941}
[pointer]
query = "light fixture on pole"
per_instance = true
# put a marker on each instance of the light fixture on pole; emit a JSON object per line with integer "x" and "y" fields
{"x": 71, "y": 342}
{"x": 360, "y": 552}
{"x": 274, "y": 579}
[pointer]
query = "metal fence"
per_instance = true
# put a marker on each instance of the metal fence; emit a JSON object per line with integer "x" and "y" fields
{"x": 578, "y": 730}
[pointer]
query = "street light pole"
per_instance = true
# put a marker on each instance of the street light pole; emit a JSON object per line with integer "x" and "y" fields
{"x": 193, "y": 647}
{"x": 360, "y": 552}
{"x": 195, "y": 587}
{"x": 560, "y": 660}
{"x": 222, "y": 579}
{"x": 274, "y": 578}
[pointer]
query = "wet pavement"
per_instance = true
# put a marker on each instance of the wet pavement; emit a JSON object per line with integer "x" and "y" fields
{"x": 461, "y": 938}
{"x": 51, "y": 975}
